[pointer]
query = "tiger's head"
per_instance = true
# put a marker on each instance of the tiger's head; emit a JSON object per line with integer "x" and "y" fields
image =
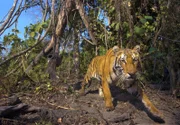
{"x": 126, "y": 61}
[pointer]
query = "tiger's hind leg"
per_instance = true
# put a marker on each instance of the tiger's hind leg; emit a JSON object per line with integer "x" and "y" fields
{"x": 83, "y": 86}
{"x": 150, "y": 109}
{"x": 86, "y": 81}
{"x": 82, "y": 90}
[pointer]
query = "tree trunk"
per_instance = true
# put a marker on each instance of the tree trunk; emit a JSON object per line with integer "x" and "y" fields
{"x": 174, "y": 72}
{"x": 61, "y": 24}
{"x": 118, "y": 17}
{"x": 76, "y": 55}
{"x": 130, "y": 22}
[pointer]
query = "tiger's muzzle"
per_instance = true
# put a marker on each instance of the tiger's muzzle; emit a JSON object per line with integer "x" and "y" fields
{"x": 129, "y": 80}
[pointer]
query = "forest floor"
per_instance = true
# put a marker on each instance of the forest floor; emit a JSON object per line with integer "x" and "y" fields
{"x": 62, "y": 106}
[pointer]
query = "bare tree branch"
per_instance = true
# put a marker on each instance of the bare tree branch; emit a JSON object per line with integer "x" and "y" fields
{"x": 79, "y": 6}
{"x": 156, "y": 35}
{"x": 87, "y": 40}
{"x": 9, "y": 16}
{"x": 14, "y": 14}
{"x": 46, "y": 9}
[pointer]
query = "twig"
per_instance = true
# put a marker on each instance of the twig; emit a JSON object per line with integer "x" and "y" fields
{"x": 58, "y": 106}
{"x": 156, "y": 35}
{"x": 88, "y": 40}
{"x": 14, "y": 70}
{"x": 14, "y": 14}
{"x": 79, "y": 7}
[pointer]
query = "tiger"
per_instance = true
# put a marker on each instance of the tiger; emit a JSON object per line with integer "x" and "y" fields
{"x": 114, "y": 65}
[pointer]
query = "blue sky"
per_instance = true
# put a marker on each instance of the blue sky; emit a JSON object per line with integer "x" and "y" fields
{"x": 25, "y": 18}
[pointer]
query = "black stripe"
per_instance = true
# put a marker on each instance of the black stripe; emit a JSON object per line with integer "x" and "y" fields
{"x": 115, "y": 61}
{"x": 114, "y": 68}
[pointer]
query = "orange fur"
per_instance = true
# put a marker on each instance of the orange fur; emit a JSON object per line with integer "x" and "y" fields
{"x": 114, "y": 65}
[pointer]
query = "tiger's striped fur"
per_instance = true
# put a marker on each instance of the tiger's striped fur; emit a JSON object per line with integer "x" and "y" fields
{"x": 114, "y": 65}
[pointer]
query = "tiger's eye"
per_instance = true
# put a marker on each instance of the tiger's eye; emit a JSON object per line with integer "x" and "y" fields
{"x": 122, "y": 60}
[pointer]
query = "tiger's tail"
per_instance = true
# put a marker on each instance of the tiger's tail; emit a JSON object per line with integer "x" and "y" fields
{"x": 150, "y": 109}
{"x": 153, "y": 112}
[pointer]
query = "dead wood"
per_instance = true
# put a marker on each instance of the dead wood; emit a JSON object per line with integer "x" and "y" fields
{"x": 9, "y": 111}
{"x": 12, "y": 100}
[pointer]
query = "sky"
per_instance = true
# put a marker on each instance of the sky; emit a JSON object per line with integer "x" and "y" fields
{"x": 26, "y": 18}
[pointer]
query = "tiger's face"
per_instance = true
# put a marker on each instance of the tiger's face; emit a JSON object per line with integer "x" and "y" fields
{"x": 127, "y": 61}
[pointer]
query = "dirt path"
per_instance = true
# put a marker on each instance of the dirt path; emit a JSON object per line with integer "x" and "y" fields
{"x": 68, "y": 109}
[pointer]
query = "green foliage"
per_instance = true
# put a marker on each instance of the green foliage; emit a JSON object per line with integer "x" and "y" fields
{"x": 138, "y": 30}
{"x": 102, "y": 50}
{"x": 33, "y": 30}
{"x": 43, "y": 88}
{"x": 85, "y": 61}
{"x": 11, "y": 39}
{"x": 19, "y": 65}
{"x": 66, "y": 67}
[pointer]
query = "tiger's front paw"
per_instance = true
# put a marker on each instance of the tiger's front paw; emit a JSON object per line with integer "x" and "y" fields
{"x": 110, "y": 108}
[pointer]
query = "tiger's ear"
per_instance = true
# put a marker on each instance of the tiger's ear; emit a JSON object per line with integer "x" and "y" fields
{"x": 137, "y": 48}
{"x": 116, "y": 49}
